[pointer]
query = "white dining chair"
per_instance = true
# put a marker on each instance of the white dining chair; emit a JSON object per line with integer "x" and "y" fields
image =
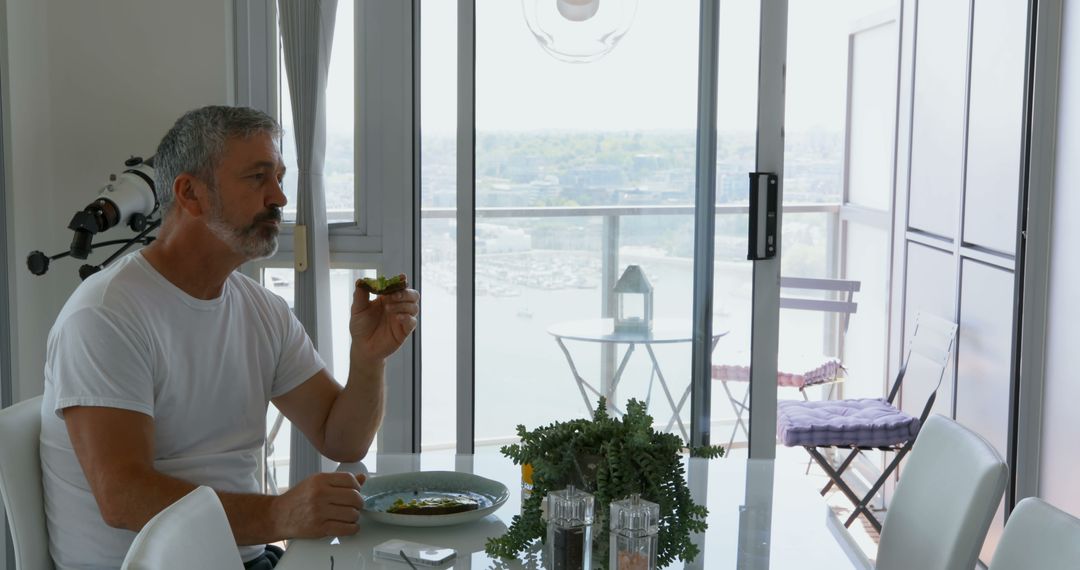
{"x": 1038, "y": 536}
{"x": 20, "y": 483}
{"x": 193, "y": 532}
{"x": 948, "y": 492}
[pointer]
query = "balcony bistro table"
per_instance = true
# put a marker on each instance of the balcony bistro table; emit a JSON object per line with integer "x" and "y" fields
{"x": 761, "y": 515}
{"x": 664, "y": 331}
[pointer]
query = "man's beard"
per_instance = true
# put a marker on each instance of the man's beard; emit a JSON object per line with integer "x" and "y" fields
{"x": 255, "y": 241}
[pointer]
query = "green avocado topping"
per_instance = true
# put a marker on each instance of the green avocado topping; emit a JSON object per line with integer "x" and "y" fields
{"x": 382, "y": 284}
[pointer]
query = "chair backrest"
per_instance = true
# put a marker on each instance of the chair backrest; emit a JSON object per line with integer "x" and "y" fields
{"x": 1038, "y": 536}
{"x": 839, "y": 300}
{"x": 928, "y": 351}
{"x": 845, "y": 289}
{"x": 932, "y": 338}
{"x": 20, "y": 483}
{"x": 193, "y": 532}
{"x": 947, "y": 495}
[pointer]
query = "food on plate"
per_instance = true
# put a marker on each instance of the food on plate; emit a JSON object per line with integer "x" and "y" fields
{"x": 433, "y": 506}
{"x": 383, "y": 285}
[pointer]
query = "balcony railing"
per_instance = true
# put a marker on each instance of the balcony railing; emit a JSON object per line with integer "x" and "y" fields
{"x": 612, "y": 215}
{"x": 617, "y": 211}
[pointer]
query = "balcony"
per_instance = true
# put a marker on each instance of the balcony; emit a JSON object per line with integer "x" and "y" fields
{"x": 537, "y": 266}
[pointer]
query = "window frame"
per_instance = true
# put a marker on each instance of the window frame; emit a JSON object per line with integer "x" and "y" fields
{"x": 385, "y": 231}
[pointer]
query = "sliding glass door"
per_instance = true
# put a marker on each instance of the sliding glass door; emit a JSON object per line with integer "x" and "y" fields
{"x": 590, "y": 237}
{"x": 585, "y": 175}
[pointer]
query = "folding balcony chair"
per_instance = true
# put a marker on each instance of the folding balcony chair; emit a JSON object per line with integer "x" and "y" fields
{"x": 866, "y": 424}
{"x": 797, "y": 370}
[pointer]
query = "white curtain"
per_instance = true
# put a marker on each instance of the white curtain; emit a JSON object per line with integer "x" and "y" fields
{"x": 307, "y": 33}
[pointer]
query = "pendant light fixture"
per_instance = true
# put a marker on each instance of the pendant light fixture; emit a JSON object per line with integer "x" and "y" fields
{"x": 579, "y": 31}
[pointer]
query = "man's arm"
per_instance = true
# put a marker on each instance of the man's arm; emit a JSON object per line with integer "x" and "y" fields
{"x": 341, "y": 422}
{"x": 115, "y": 450}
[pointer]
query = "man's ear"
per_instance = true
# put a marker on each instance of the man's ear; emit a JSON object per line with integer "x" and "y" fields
{"x": 190, "y": 195}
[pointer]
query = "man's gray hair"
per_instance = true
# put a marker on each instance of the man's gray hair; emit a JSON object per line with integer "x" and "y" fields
{"x": 196, "y": 143}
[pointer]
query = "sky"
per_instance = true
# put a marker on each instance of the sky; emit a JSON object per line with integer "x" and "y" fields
{"x": 649, "y": 81}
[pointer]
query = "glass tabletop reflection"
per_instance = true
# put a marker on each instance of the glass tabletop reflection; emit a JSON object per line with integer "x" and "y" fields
{"x": 761, "y": 515}
{"x": 664, "y": 331}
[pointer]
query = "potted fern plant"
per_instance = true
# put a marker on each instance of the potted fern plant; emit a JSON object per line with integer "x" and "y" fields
{"x": 611, "y": 458}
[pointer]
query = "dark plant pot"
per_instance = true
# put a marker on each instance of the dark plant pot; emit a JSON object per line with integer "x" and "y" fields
{"x": 584, "y": 475}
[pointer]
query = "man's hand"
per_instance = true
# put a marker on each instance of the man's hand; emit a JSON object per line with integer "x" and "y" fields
{"x": 379, "y": 326}
{"x": 325, "y": 504}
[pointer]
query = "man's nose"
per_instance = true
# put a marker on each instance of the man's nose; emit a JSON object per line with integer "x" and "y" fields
{"x": 277, "y": 195}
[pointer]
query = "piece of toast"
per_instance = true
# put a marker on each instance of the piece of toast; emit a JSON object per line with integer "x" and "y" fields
{"x": 426, "y": 507}
{"x": 382, "y": 285}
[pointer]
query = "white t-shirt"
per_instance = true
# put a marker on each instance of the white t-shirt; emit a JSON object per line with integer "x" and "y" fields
{"x": 205, "y": 372}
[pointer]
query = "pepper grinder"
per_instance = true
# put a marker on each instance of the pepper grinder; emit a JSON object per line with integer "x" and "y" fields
{"x": 635, "y": 533}
{"x": 569, "y": 530}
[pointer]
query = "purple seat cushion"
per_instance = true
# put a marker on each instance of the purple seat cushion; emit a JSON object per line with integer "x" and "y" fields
{"x": 869, "y": 422}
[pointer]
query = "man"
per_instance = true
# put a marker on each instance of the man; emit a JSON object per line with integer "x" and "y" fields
{"x": 160, "y": 368}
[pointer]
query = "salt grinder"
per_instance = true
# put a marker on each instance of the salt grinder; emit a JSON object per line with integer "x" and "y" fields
{"x": 634, "y": 538}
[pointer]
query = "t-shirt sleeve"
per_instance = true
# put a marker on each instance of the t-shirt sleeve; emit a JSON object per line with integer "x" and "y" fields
{"x": 298, "y": 360}
{"x": 96, "y": 359}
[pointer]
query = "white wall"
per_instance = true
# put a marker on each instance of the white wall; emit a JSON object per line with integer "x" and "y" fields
{"x": 91, "y": 84}
{"x": 1061, "y": 423}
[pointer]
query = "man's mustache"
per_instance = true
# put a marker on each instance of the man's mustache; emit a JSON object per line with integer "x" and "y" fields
{"x": 272, "y": 215}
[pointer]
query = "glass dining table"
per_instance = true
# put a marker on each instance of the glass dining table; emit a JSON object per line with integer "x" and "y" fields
{"x": 602, "y": 331}
{"x": 761, "y": 515}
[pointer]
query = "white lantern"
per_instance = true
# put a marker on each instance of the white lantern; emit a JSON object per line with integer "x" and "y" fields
{"x": 635, "y": 295}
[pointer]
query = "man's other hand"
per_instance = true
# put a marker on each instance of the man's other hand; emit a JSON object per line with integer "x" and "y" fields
{"x": 379, "y": 326}
{"x": 325, "y": 504}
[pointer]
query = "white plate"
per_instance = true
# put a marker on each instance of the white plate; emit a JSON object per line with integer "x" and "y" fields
{"x": 381, "y": 491}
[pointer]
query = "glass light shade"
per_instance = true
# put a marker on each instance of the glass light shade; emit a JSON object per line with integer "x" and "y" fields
{"x": 579, "y": 31}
